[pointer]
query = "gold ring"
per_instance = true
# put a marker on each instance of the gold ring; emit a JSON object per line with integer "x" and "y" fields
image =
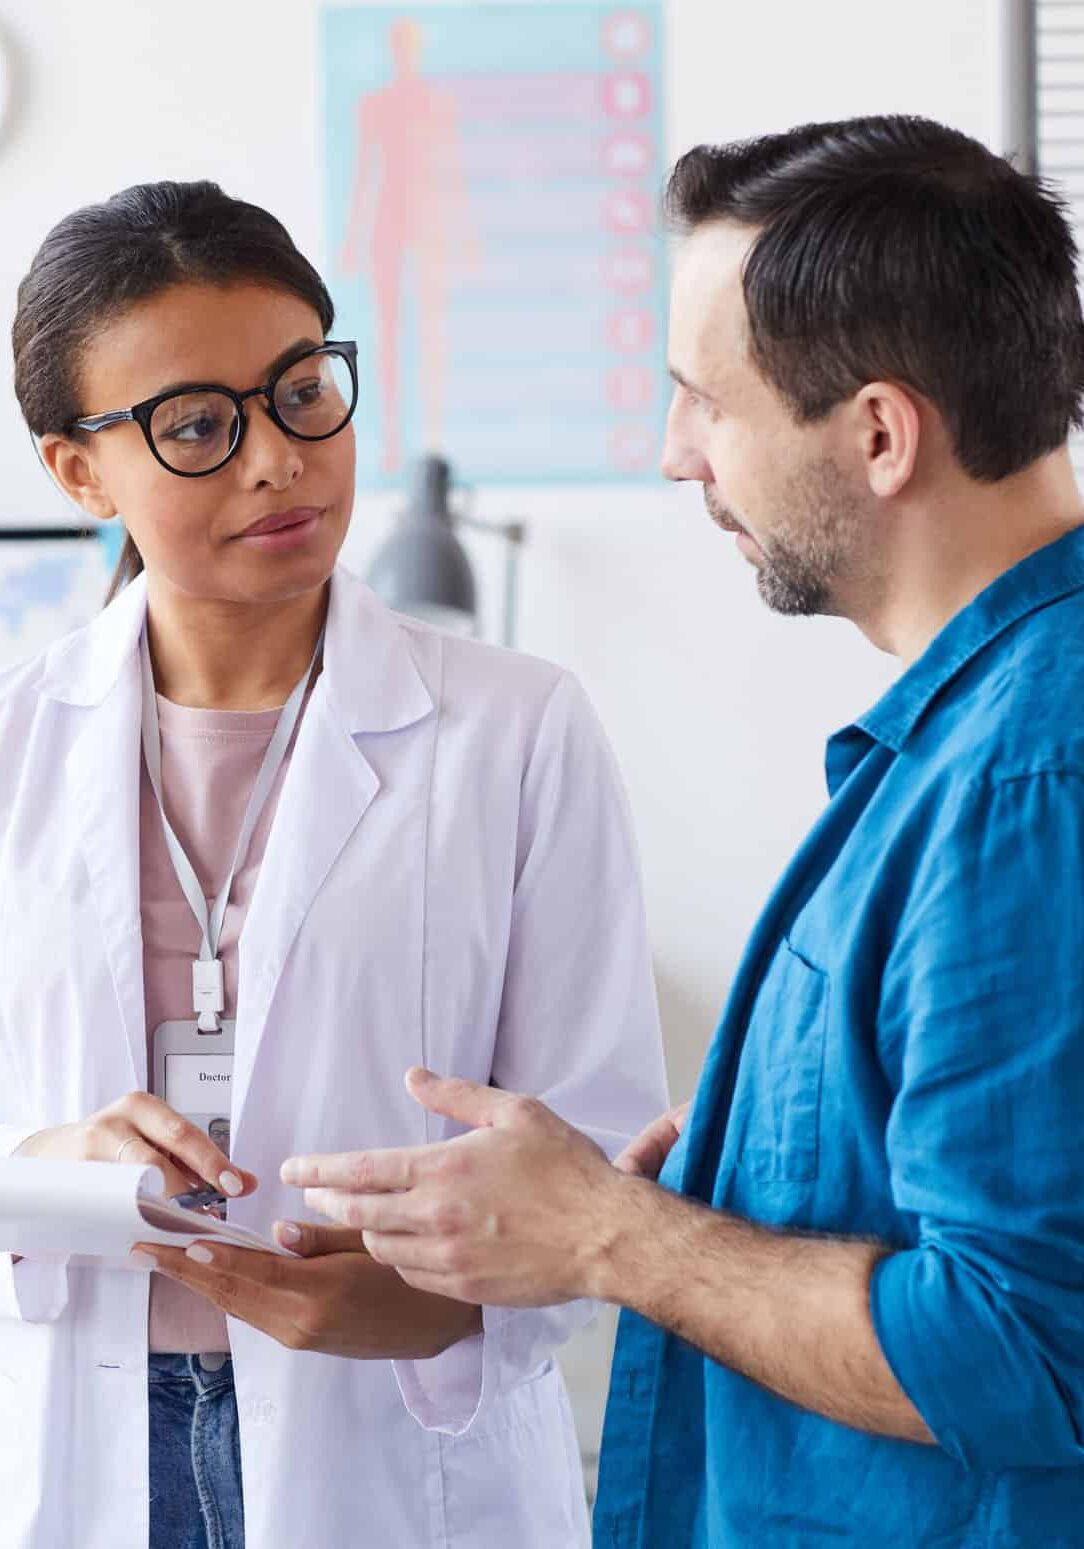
{"x": 120, "y": 1149}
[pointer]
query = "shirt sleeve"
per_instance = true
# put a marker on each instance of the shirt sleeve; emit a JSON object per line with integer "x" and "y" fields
{"x": 982, "y": 1321}
{"x": 29, "y": 1292}
{"x": 578, "y": 1027}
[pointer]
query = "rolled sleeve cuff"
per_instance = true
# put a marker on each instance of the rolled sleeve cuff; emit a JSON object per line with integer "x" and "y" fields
{"x": 453, "y": 1391}
{"x": 972, "y": 1368}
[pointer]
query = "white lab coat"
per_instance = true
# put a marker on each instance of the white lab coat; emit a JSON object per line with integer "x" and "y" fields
{"x": 450, "y": 880}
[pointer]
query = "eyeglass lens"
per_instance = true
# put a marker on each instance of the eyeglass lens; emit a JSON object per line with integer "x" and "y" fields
{"x": 193, "y": 432}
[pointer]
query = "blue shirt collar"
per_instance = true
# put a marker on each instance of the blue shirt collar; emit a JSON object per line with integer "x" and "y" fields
{"x": 1050, "y": 573}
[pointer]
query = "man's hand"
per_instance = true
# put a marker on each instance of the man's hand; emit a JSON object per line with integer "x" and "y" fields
{"x": 525, "y": 1211}
{"x": 518, "y": 1213}
{"x": 645, "y": 1156}
{"x": 333, "y": 1298}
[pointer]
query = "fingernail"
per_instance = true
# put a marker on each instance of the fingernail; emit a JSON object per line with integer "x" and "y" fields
{"x": 289, "y": 1170}
{"x": 142, "y": 1260}
{"x": 288, "y": 1233}
{"x": 231, "y": 1184}
{"x": 199, "y": 1254}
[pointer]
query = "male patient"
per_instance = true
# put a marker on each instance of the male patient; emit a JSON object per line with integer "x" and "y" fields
{"x": 856, "y": 1306}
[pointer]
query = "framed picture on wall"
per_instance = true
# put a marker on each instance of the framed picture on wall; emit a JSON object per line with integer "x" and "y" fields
{"x": 51, "y": 582}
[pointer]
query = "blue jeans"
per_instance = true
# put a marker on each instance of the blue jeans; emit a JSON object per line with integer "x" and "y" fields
{"x": 195, "y": 1455}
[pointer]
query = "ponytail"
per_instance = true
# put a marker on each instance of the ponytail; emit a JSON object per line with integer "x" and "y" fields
{"x": 129, "y": 566}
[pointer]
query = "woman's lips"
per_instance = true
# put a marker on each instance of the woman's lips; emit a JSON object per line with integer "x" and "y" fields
{"x": 284, "y": 529}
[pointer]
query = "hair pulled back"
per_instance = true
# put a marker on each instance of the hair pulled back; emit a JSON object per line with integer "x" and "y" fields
{"x": 106, "y": 257}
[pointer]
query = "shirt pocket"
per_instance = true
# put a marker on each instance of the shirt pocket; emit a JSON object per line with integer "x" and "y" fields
{"x": 779, "y": 1093}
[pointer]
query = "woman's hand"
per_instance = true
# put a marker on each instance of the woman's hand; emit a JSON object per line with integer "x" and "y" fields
{"x": 141, "y": 1128}
{"x": 645, "y": 1156}
{"x": 333, "y": 1298}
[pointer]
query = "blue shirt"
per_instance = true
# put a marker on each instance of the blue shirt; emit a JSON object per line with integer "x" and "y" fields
{"x": 902, "y": 1057}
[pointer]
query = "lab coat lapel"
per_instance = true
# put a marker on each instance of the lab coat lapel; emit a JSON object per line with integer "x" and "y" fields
{"x": 369, "y": 684}
{"x": 328, "y": 789}
{"x": 101, "y": 776}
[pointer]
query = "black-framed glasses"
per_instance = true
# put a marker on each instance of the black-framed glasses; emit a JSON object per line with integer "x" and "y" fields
{"x": 193, "y": 431}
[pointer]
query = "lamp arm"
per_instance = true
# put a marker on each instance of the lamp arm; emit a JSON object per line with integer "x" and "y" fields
{"x": 514, "y": 535}
{"x": 513, "y": 532}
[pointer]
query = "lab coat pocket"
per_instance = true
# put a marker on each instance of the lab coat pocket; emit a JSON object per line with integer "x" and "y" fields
{"x": 778, "y": 1099}
{"x": 530, "y": 1445}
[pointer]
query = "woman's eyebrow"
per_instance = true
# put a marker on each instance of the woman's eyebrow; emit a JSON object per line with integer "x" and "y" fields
{"x": 283, "y": 358}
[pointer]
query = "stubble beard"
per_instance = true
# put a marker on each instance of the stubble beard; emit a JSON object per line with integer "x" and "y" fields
{"x": 811, "y": 544}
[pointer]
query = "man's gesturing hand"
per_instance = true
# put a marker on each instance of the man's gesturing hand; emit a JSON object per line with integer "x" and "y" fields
{"x": 645, "y": 1156}
{"x": 518, "y": 1213}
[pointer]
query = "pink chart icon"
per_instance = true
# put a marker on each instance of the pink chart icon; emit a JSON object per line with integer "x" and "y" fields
{"x": 626, "y": 96}
{"x": 630, "y": 271}
{"x": 627, "y": 154}
{"x": 628, "y": 213}
{"x": 633, "y": 448}
{"x": 626, "y": 35}
{"x": 630, "y": 388}
{"x": 630, "y": 331}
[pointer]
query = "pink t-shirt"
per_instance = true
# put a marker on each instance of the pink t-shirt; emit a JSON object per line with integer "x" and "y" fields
{"x": 210, "y": 759}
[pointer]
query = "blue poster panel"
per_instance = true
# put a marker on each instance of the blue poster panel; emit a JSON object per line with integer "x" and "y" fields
{"x": 494, "y": 235}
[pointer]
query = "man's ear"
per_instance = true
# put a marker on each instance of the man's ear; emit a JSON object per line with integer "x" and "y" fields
{"x": 889, "y": 427}
{"x": 69, "y": 463}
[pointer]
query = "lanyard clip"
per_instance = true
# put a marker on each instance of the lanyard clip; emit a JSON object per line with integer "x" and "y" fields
{"x": 208, "y": 993}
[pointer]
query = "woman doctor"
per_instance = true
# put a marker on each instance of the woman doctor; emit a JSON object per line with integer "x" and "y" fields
{"x": 348, "y": 844}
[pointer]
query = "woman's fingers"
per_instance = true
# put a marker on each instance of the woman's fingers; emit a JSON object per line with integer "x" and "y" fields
{"x": 311, "y": 1242}
{"x": 136, "y": 1151}
{"x": 173, "y": 1135}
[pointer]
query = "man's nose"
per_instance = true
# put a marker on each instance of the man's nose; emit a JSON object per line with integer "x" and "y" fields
{"x": 681, "y": 462}
{"x": 680, "y": 459}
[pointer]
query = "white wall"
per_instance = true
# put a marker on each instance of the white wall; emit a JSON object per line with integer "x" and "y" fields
{"x": 718, "y": 711}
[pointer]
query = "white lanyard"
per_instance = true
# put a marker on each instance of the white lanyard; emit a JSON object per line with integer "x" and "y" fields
{"x": 208, "y": 992}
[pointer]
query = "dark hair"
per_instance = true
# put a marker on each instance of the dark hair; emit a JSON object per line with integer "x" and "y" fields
{"x": 893, "y": 248}
{"x": 102, "y": 259}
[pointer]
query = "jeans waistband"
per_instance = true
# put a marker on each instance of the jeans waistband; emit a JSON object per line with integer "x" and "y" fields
{"x": 189, "y": 1369}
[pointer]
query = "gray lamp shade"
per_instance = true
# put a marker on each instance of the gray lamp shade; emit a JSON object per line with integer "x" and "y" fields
{"x": 422, "y": 568}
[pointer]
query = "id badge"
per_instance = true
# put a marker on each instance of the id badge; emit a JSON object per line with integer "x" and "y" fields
{"x": 193, "y": 1073}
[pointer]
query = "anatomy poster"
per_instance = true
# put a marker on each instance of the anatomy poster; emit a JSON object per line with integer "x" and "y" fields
{"x": 494, "y": 174}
